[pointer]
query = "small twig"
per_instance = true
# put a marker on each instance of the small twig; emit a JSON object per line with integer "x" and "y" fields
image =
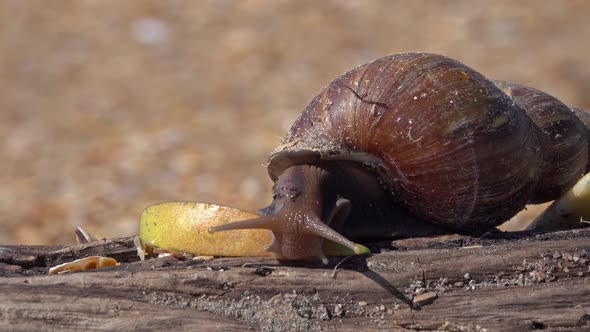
{"x": 84, "y": 236}
{"x": 256, "y": 265}
{"x": 334, "y": 272}
{"x": 362, "y": 98}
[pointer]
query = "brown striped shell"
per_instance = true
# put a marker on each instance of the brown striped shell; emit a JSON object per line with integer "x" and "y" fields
{"x": 452, "y": 147}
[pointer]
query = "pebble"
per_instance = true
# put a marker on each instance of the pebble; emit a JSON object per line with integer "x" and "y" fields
{"x": 576, "y": 258}
{"x": 459, "y": 284}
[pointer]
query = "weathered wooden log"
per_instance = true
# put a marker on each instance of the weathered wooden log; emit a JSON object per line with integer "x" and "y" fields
{"x": 462, "y": 283}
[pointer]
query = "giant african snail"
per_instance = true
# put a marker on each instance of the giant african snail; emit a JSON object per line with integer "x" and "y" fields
{"x": 416, "y": 144}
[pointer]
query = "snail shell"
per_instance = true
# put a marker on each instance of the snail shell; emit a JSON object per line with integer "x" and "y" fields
{"x": 421, "y": 144}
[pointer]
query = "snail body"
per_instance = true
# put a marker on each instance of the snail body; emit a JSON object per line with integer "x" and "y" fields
{"x": 415, "y": 144}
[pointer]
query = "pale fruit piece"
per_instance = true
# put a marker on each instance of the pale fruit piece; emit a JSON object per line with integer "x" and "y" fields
{"x": 183, "y": 226}
{"x": 88, "y": 263}
{"x": 572, "y": 210}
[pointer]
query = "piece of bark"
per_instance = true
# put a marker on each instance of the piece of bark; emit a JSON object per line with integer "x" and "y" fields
{"x": 122, "y": 249}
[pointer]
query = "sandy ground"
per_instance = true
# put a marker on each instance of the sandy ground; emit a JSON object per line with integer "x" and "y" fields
{"x": 109, "y": 106}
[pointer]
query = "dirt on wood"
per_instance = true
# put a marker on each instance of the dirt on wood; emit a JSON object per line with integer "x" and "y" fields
{"x": 452, "y": 283}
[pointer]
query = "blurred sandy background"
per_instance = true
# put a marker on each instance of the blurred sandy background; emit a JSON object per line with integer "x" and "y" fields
{"x": 109, "y": 106}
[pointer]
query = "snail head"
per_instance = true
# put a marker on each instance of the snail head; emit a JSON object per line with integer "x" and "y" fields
{"x": 300, "y": 216}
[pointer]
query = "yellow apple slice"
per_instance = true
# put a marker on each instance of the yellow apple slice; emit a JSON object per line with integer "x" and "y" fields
{"x": 183, "y": 226}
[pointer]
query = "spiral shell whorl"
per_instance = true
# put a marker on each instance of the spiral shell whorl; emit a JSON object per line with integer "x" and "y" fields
{"x": 563, "y": 140}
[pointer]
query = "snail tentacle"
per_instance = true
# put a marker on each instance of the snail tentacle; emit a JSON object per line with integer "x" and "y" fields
{"x": 271, "y": 222}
